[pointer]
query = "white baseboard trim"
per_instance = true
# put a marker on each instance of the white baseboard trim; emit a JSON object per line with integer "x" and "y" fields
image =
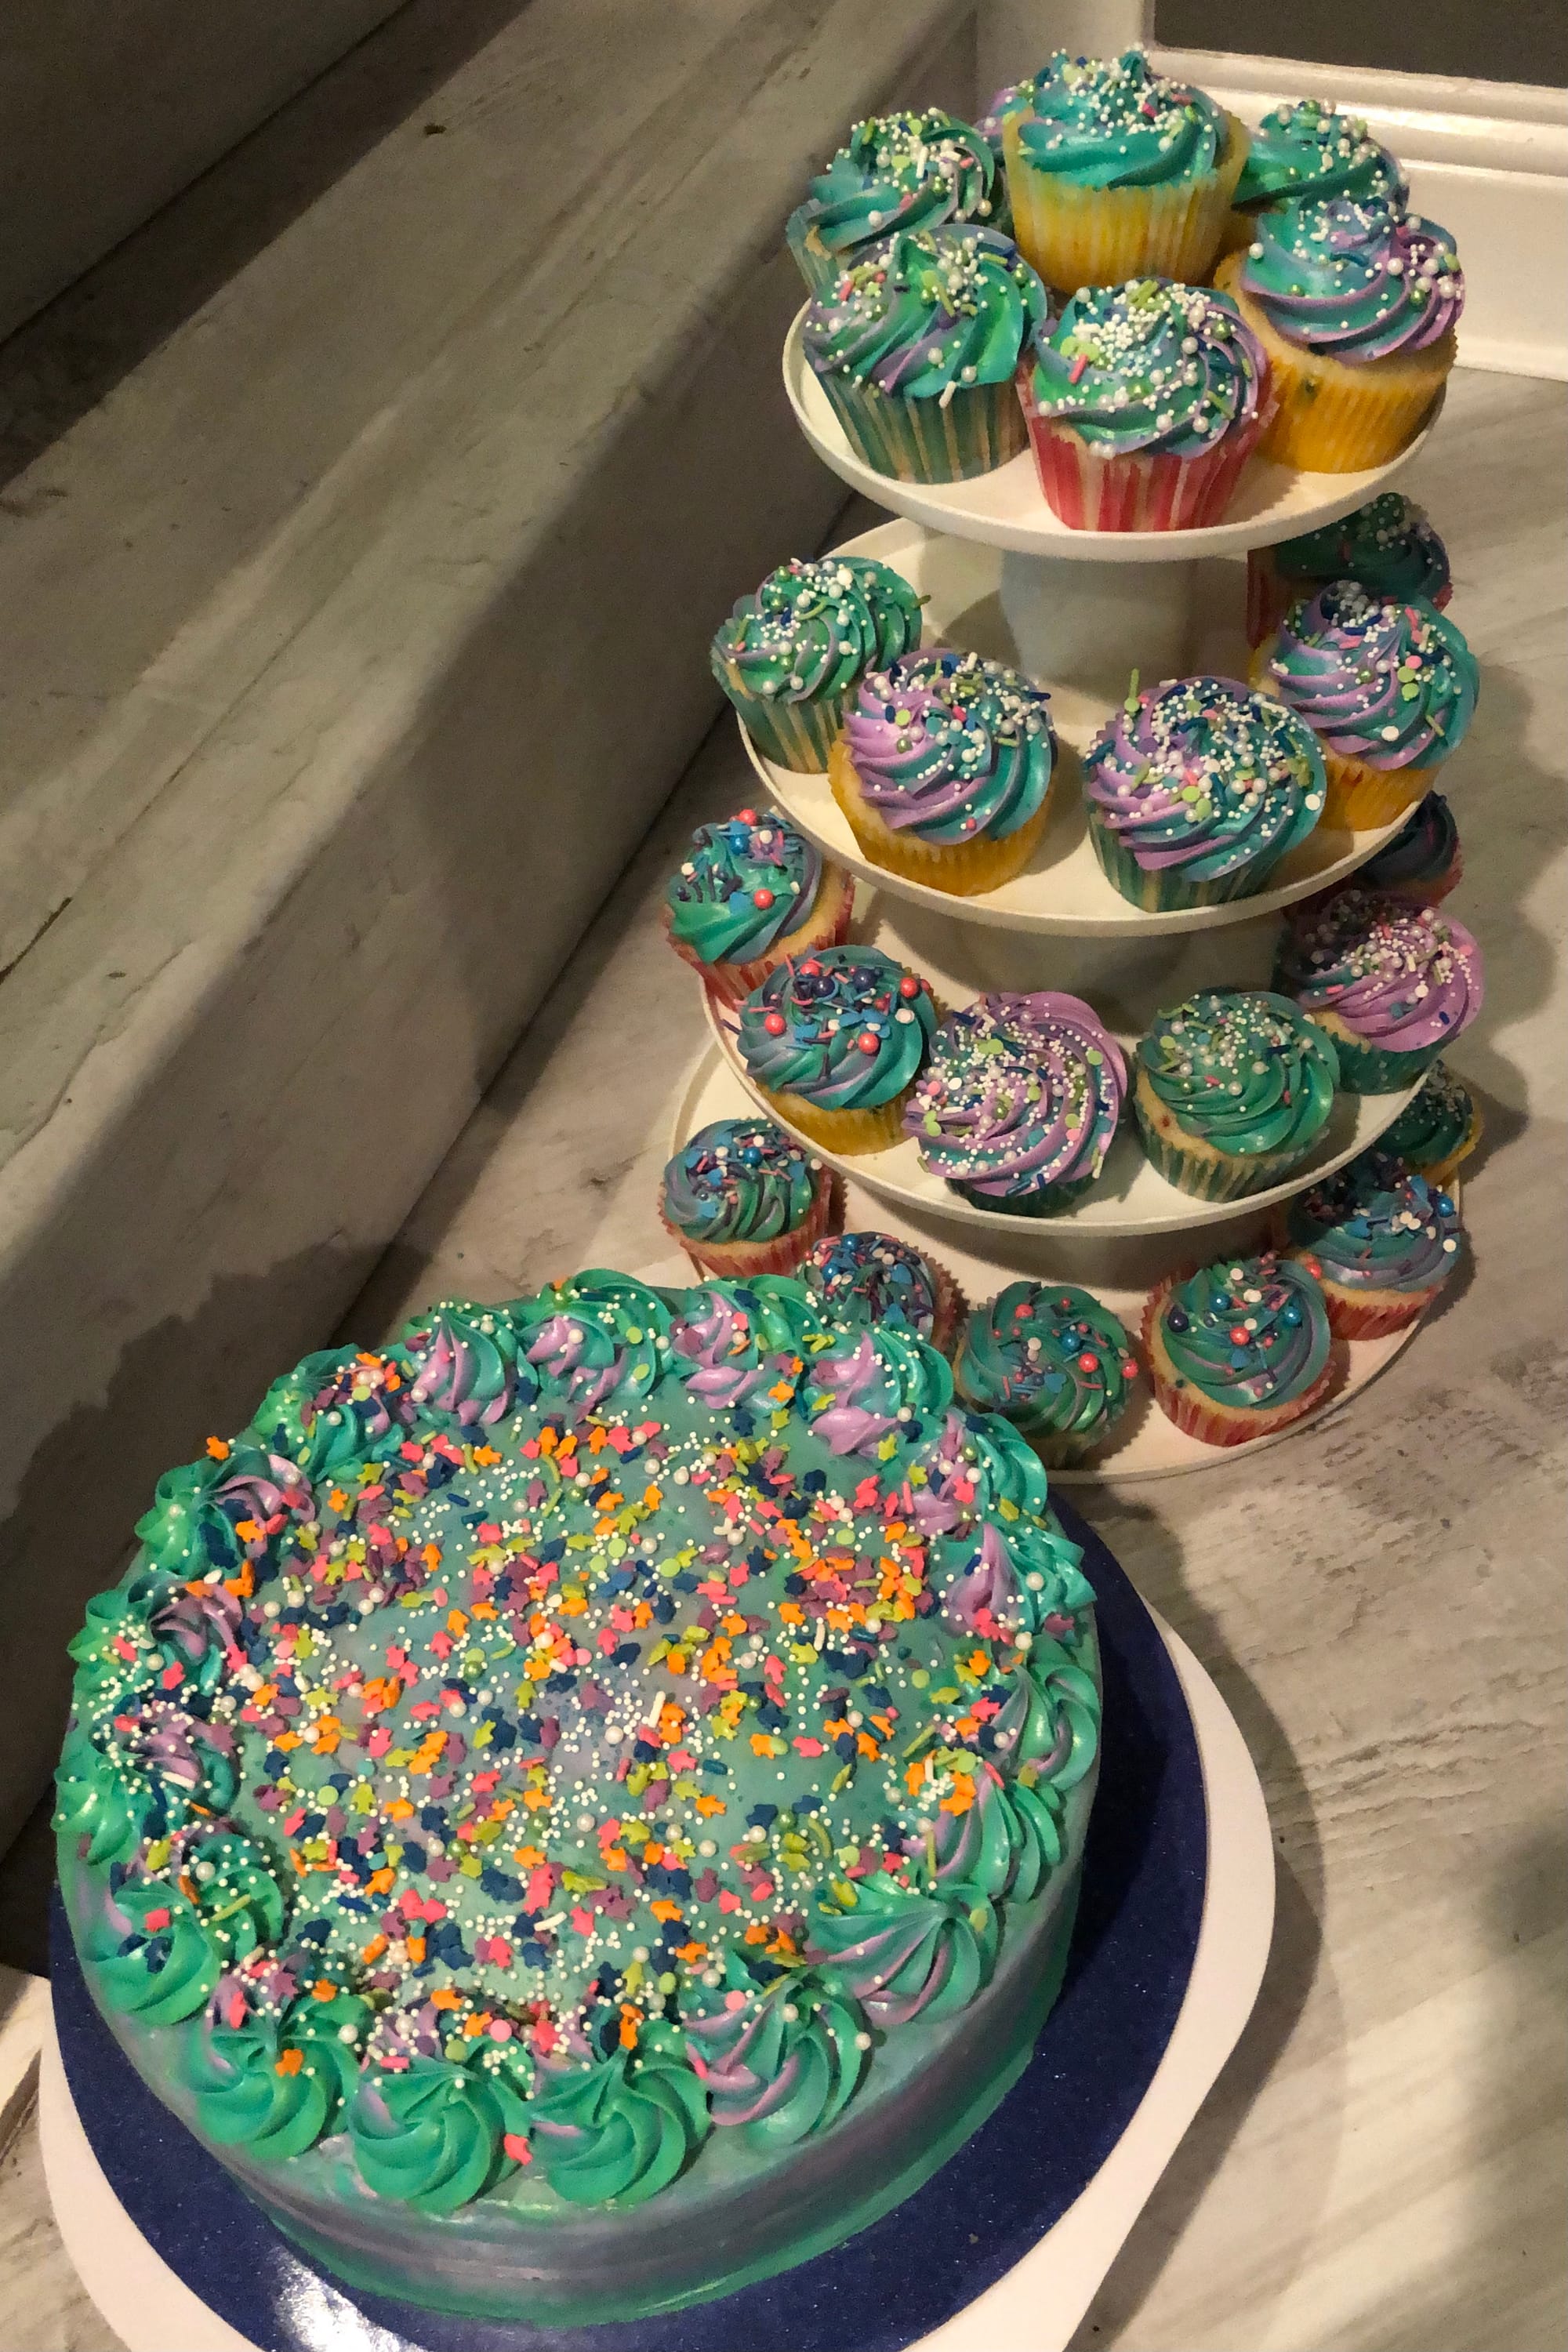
{"x": 1488, "y": 159}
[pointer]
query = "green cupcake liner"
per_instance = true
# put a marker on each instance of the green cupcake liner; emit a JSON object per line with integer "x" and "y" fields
{"x": 1370, "y": 1070}
{"x": 796, "y": 734}
{"x": 1229, "y": 1179}
{"x": 980, "y": 428}
{"x": 1169, "y": 887}
{"x": 1048, "y": 1200}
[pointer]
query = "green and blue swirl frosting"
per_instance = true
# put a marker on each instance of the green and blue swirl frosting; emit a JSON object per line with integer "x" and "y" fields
{"x": 899, "y": 170}
{"x": 621, "y": 2127}
{"x": 813, "y": 627}
{"x": 462, "y": 1361}
{"x": 951, "y": 748}
{"x": 1023, "y": 1092}
{"x": 740, "y": 1179}
{"x": 847, "y": 1028}
{"x": 778, "y": 2060}
{"x": 875, "y": 1390}
{"x": 1203, "y": 776}
{"x": 1150, "y": 368}
{"x": 928, "y": 314}
{"x": 1249, "y": 1333}
{"x": 430, "y": 2136}
{"x": 1376, "y": 1225}
{"x": 597, "y": 1338}
{"x": 274, "y": 2084}
{"x": 149, "y": 1954}
{"x": 1388, "y": 546}
{"x": 1025, "y": 1582}
{"x": 1049, "y": 1357}
{"x": 875, "y": 1278}
{"x": 731, "y": 1339}
{"x": 1385, "y": 680}
{"x": 903, "y": 1954}
{"x": 1435, "y": 1124}
{"x": 330, "y": 1411}
{"x": 1304, "y": 152}
{"x": 1355, "y": 281}
{"x": 1244, "y": 1070}
{"x": 1112, "y": 123}
{"x": 742, "y": 886}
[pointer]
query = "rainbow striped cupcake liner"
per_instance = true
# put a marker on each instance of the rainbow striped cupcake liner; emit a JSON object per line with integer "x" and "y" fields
{"x": 1153, "y": 891}
{"x": 796, "y": 734}
{"x": 980, "y": 428}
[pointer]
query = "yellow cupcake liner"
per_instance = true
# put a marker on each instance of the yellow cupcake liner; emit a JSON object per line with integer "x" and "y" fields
{"x": 1076, "y": 236}
{"x": 848, "y": 1132}
{"x": 964, "y": 869}
{"x": 1357, "y": 797}
{"x": 1332, "y": 418}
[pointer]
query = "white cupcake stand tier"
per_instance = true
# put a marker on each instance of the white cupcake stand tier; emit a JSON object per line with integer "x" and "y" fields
{"x": 1078, "y": 611}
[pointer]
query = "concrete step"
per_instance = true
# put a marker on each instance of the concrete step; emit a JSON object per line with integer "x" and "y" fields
{"x": 366, "y": 528}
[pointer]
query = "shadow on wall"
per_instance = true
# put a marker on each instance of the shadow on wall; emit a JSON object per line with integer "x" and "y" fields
{"x": 62, "y": 362}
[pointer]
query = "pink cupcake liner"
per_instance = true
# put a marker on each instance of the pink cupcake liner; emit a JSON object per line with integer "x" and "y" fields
{"x": 1149, "y": 492}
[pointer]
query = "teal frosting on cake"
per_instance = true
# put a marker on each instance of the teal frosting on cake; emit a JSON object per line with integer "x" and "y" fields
{"x": 1304, "y": 151}
{"x": 1150, "y": 367}
{"x": 1050, "y": 1357}
{"x": 1113, "y": 122}
{"x": 1244, "y": 1070}
{"x": 903, "y": 170}
{"x": 930, "y": 313}
{"x": 1247, "y": 1333}
{"x": 740, "y": 1179}
{"x": 847, "y": 1028}
{"x": 581, "y": 1780}
{"x": 813, "y": 627}
{"x": 1388, "y": 546}
{"x": 742, "y": 885}
{"x": 1377, "y": 1225}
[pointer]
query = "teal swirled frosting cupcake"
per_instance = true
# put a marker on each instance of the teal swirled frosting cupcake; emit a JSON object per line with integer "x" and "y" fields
{"x": 876, "y": 1278}
{"x": 1145, "y": 401}
{"x": 1382, "y": 1239}
{"x": 1020, "y": 1102}
{"x": 1423, "y": 862}
{"x": 1438, "y": 1128}
{"x": 744, "y": 1198}
{"x": 747, "y": 894}
{"x": 944, "y": 769}
{"x": 1304, "y": 152}
{"x": 1052, "y": 1360}
{"x": 916, "y": 346}
{"x": 789, "y": 655}
{"x": 1234, "y": 1088}
{"x": 895, "y": 172}
{"x": 1240, "y": 1349}
{"x": 1196, "y": 788}
{"x": 835, "y": 1041}
{"x": 1115, "y": 171}
{"x": 1388, "y": 546}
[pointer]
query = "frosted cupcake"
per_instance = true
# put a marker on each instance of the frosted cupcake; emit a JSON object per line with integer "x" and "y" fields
{"x": 790, "y": 655}
{"x": 917, "y": 347}
{"x": 944, "y": 769}
{"x": 835, "y": 1041}
{"x": 1114, "y": 171}
{"x": 1388, "y": 546}
{"x": 1052, "y": 1360}
{"x": 895, "y": 172}
{"x": 1305, "y": 153}
{"x": 743, "y": 1198}
{"x": 1143, "y": 404}
{"x": 1388, "y": 685}
{"x": 1423, "y": 862}
{"x": 1020, "y": 1101}
{"x": 1196, "y": 788}
{"x": 870, "y": 1278}
{"x": 1240, "y": 1349}
{"x": 1392, "y": 985}
{"x": 749, "y": 893}
{"x": 1436, "y": 1132}
{"x": 1355, "y": 304}
{"x": 1234, "y": 1088}
{"x": 1382, "y": 1240}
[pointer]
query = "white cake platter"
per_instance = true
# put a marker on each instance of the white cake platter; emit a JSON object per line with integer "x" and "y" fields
{"x": 1119, "y": 1272}
{"x": 1063, "y": 889}
{"x": 1129, "y": 1197}
{"x": 1037, "y": 2304}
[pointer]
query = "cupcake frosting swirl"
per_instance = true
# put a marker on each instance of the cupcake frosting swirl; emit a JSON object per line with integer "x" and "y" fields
{"x": 742, "y": 886}
{"x": 1377, "y": 1225}
{"x": 740, "y": 1179}
{"x": 1305, "y": 151}
{"x": 948, "y": 746}
{"x": 1388, "y": 680}
{"x": 902, "y": 171}
{"x": 874, "y": 1279}
{"x": 1112, "y": 123}
{"x": 1388, "y": 545}
{"x": 1203, "y": 775}
{"x": 928, "y": 313}
{"x": 1047, "y": 1355}
{"x": 1423, "y": 851}
{"x": 1023, "y": 1091}
{"x": 1359, "y": 281}
{"x": 847, "y": 1028}
{"x": 1245, "y": 1070}
{"x": 1436, "y": 1124}
{"x": 1247, "y": 1333}
{"x": 1401, "y": 978}
{"x": 814, "y": 626}
{"x": 1150, "y": 367}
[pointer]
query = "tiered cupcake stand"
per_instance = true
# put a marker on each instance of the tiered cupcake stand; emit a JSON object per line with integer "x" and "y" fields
{"x": 1080, "y": 612}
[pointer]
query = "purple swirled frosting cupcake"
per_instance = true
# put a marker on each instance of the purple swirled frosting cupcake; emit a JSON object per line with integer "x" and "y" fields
{"x": 1392, "y": 984}
{"x": 1020, "y": 1101}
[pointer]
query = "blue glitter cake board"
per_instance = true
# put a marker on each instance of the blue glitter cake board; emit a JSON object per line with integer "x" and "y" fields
{"x": 1145, "y": 1870}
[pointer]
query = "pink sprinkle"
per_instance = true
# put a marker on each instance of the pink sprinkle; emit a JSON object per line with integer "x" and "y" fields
{"x": 156, "y": 1919}
{"x": 500, "y": 2027}
{"x": 734, "y": 2000}
{"x": 807, "y": 1747}
{"x": 515, "y": 2145}
{"x": 1078, "y": 367}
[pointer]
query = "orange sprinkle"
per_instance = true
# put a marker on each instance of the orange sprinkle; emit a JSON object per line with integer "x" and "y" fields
{"x": 289, "y": 2062}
